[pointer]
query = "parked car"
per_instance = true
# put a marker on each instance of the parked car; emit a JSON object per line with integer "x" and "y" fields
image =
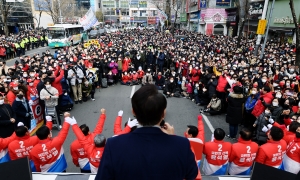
{"x": 93, "y": 34}
{"x": 102, "y": 31}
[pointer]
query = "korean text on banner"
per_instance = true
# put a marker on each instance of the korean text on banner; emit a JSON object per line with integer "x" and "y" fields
{"x": 37, "y": 112}
{"x": 261, "y": 27}
{"x": 88, "y": 20}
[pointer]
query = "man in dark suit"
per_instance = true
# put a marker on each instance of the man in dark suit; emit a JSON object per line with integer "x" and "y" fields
{"x": 151, "y": 151}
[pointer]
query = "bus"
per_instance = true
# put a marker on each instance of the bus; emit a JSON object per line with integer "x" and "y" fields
{"x": 61, "y": 35}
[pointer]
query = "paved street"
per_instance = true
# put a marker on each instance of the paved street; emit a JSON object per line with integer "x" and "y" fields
{"x": 180, "y": 112}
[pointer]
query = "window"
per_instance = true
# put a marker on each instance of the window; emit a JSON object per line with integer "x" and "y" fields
{"x": 108, "y": 4}
{"x": 143, "y": 4}
{"x": 124, "y": 4}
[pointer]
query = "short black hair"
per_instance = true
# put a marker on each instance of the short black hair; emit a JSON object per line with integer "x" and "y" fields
{"x": 43, "y": 132}
{"x": 148, "y": 105}
{"x": 193, "y": 130}
{"x": 267, "y": 88}
{"x": 246, "y": 134}
{"x": 85, "y": 129}
{"x": 294, "y": 126}
{"x": 276, "y": 133}
{"x": 219, "y": 134}
{"x": 21, "y": 131}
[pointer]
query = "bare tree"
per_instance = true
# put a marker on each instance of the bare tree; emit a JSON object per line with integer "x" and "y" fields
{"x": 99, "y": 15}
{"x": 297, "y": 31}
{"x": 40, "y": 7}
{"x": 5, "y": 9}
{"x": 243, "y": 7}
{"x": 176, "y": 5}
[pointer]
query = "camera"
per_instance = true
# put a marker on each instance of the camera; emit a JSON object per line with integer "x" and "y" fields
{"x": 162, "y": 123}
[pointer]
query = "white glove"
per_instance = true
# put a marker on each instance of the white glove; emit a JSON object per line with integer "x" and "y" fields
{"x": 71, "y": 121}
{"x": 269, "y": 126}
{"x": 271, "y": 120}
{"x": 120, "y": 113}
{"x": 37, "y": 96}
{"x": 74, "y": 121}
{"x": 265, "y": 129}
{"x": 48, "y": 118}
{"x": 30, "y": 102}
{"x": 132, "y": 123}
{"x": 20, "y": 124}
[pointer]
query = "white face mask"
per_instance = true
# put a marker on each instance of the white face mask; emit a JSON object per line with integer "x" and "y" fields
{"x": 25, "y": 75}
{"x": 171, "y": 81}
{"x": 48, "y": 86}
{"x": 30, "y": 84}
{"x": 1, "y": 101}
{"x": 66, "y": 94}
{"x": 16, "y": 88}
{"x": 278, "y": 95}
{"x": 231, "y": 72}
{"x": 253, "y": 92}
{"x": 264, "y": 80}
{"x": 275, "y": 103}
{"x": 267, "y": 111}
{"x": 44, "y": 70}
{"x": 32, "y": 75}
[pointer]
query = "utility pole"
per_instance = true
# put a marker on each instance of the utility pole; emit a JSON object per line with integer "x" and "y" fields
{"x": 263, "y": 17}
{"x": 268, "y": 26}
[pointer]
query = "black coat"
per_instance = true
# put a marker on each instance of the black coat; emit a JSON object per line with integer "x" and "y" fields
{"x": 170, "y": 87}
{"x": 6, "y": 126}
{"x": 211, "y": 86}
{"x": 235, "y": 108}
{"x": 160, "y": 82}
{"x": 20, "y": 112}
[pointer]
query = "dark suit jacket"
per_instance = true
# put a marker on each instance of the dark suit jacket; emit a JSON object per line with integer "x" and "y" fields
{"x": 20, "y": 112}
{"x": 147, "y": 154}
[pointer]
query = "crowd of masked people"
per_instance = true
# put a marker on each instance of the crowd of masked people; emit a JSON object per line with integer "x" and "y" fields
{"x": 16, "y": 45}
{"x": 211, "y": 71}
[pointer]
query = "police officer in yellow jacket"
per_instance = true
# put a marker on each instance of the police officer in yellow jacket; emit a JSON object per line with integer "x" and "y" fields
{"x": 31, "y": 41}
{"x": 23, "y": 44}
{"x": 27, "y": 43}
{"x": 18, "y": 48}
{"x": 42, "y": 40}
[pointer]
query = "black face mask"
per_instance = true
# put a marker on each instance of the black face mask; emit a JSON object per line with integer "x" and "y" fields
{"x": 298, "y": 134}
{"x": 286, "y": 106}
{"x": 20, "y": 96}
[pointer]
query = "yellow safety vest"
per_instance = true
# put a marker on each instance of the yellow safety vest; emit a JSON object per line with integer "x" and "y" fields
{"x": 17, "y": 45}
{"x": 42, "y": 38}
{"x": 26, "y": 40}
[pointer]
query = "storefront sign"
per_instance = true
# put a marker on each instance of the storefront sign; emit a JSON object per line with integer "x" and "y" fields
{"x": 202, "y": 4}
{"x": 223, "y": 2}
{"x": 256, "y": 9}
{"x": 261, "y": 27}
{"x": 283, "y": 20}
{"x": 151, "y": 20}
{"x": 195, "y": 16}
{"x": 183, "y": 17}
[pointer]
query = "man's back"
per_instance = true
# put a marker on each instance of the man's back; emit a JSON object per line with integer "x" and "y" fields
{"x": 217, "y": 156}
{"x": 147, "y": 153}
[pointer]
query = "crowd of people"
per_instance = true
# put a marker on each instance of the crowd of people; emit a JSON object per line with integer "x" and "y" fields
{"x": 16, "y": 45}
{"x": 212, "y": 71}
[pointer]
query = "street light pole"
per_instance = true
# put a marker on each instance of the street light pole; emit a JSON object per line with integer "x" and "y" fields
{"x": 263, "y": 17}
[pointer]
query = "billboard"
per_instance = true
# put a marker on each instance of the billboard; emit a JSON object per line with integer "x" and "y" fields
{"x": 256, "y": 9}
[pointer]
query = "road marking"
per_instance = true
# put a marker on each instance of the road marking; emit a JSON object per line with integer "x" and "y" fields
{"x": 211, "y": 128}
{"x": 132, "y": 91}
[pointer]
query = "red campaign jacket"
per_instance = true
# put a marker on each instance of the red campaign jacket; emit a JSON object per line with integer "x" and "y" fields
{"x": 198, "y": 142}
{"x": 125, "y": 64}
{"x": 287, "y": 135}
{"x": 259, "y": 107}
{"x": 196, "y": 75}
{"x": 271, "y": 153}
{"x": 243, "y": 153}
{"x": 2, "y": 51}
{"x": 56, "y": 83}
{"x": 118, "y": 127}
{"x": 217, "y": 152}
{"x": 32, "y": 91}
{"x": 10, "y": 97}
{"x": 134, "y": 77}
{"x": 47, "y": 151}
{"x": 77, "y": 150}
{"x": 222, "y": 83}
{"x": 4, "y": 142}
{"x": 93, "y": 153}
{"x": 22, "y": 146}
{"x": 291, "y": 160}
{"x": 36, "y": 82}
{"x": 140, "y": 73}
{"x": 125, "y": 78}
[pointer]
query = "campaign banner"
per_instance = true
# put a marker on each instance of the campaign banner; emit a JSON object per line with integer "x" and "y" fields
{"x": 162, "y": 17}
{"x": 37, "y": 112}
{"x": 88, "y": 20}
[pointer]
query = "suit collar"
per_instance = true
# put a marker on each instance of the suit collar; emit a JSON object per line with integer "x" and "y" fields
{"x": 153, "y": 130}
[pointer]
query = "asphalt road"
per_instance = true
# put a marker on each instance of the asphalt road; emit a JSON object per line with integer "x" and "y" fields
{"x": 180, "y": 112}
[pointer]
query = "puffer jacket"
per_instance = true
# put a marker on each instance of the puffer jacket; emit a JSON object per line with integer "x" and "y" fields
{"x": 215, "y": 104}
{"x": 235, "y": 108}
{"x": 276, "y": 112}
{"x": 222, "y": 83}
{"x": 259, "y": 107}
{"x": 53, "y": 101}
{"x": 72, "y": 78}
{"x": 260, "y": 123}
